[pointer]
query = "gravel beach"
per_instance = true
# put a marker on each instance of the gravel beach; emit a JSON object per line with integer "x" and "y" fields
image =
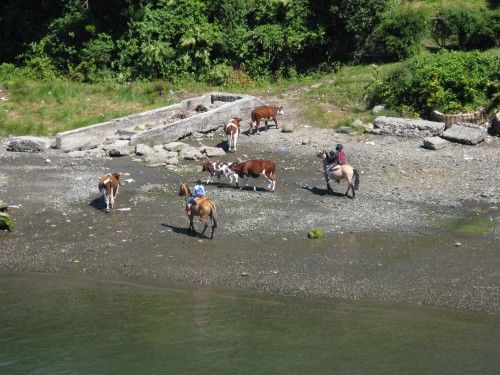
{"x": 424, "y": 227}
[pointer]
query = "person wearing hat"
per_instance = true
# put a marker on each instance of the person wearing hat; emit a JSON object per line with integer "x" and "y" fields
{"x": 198, "y": 191}
{"x": 335, "y": 158}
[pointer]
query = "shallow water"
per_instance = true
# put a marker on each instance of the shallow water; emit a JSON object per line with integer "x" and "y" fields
{"x": 62, "y": 325}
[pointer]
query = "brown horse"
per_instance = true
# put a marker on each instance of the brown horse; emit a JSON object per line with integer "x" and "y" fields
{"x": 202, "y": 207}
{"x": 339, "y": 173}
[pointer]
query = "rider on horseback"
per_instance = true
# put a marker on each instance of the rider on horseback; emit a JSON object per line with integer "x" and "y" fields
{"x": 199, "y": 191}
{"x": 335, "y": 158}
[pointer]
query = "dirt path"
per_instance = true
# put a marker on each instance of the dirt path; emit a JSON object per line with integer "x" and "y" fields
{"x": 401, "y": 240}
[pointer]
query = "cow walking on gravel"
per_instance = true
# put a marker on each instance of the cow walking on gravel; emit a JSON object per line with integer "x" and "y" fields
{"x": 251, "y": 169}
{"x": 266, "y": 113}
{"x": 108, "y": 186}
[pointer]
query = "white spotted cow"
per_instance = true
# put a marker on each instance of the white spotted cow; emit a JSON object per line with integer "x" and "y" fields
{"x": 219, "y": 169}
{"x": 108, "y": 186}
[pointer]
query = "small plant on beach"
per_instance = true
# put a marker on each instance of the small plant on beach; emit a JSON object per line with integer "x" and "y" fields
{"x": 316, "y": 233}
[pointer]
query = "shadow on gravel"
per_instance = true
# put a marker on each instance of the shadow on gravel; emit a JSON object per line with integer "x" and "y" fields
{"x": 322, "y": 192}
{"x": 98, "y": 204}
{"x": 181, "y": 230}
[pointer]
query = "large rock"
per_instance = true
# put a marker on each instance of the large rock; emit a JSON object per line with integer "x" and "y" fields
{"x": 212, "y": 151}
{"x": 465, "y": 133}
{"x": 408, "y": 127}
{"x": 120, "y": 148}
{"x": 28, "y": 144}
{"x": 191, "y": 153}
{"x": 175, "y": 146}
{"x": 435, "y": 143}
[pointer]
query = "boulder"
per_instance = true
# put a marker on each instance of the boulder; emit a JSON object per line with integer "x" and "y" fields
{"x": 212, "y": 151}
{"x": 191, "y": 153}
{"x": 435, "y": 143}
{"x": 120, "y": 148}
{"x": 408, "y": 127}
{"x": 142, "y": 149}
{"x": 28, "y": 144}
{"x": 175, "y": 146}
{"x": 465, "y": 133}
{"x": 288, "y": 128}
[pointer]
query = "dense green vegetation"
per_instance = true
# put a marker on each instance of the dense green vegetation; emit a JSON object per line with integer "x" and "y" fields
{"x": 65, "y": 64}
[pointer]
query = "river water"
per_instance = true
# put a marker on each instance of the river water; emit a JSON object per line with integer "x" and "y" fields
{"x": 67, "y": 325}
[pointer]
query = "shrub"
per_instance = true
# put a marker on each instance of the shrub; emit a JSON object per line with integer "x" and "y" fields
{"x": 447, "y": 81}
{"x": 399, "y": 34}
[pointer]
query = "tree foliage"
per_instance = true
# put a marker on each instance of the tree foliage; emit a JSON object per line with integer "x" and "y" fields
{"x": 450, "y": 82}
{"x": 219, "y": 41}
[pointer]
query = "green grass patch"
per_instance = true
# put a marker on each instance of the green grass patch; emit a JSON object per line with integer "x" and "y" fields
{"x": 469, "y": 225}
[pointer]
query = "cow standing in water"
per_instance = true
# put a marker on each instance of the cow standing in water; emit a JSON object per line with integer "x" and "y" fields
{"x": 232, "y": 130}
{"x": 265, "y": 113}
{"x": 108, "y": 186}
{"x": 251, "y": 169}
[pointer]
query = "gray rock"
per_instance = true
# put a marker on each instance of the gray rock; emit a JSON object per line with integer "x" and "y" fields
{"x": 435, "y": 143}
{"x": 191, "y": 153}
{"x": 408, "y": 127}
{"x": 288, "y": 128}
{"x": 369, "y": 127}
{"x": 120, "y": 148}
{"x": 378, "y": 108}
{"x": 212, "y": 151}
{"x": 465, "y": 133}
{"x": 142, "y": 149}
{"x": 175, "y": 146}
{"x": 28, "y": 144}
{"x": 357, "y": 123}
{"x": 344, "y": 130}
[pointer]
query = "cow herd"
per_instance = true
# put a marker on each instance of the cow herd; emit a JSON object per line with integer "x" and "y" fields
{"x": 246, "y": 170}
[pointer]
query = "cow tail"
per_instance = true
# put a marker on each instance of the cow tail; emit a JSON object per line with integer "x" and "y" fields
{"x": 274, "y": 171}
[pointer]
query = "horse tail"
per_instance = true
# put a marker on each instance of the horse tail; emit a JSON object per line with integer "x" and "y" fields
{"x": 356, "y": 179}
{"x": 213, "y": 215}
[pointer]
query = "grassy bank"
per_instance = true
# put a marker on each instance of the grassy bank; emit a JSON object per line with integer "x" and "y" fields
{"x": 46, "y": 108}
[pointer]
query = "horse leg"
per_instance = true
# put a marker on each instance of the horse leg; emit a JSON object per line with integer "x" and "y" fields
{"x": 191, "y": 225}
{"x": 350, "y": 186}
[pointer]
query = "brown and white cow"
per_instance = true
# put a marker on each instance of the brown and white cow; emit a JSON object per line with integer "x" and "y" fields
{"x": 108, "y": 186}
{"x": 251, "y": 169}
{"x": 232, "y": 130}
{"x": 219, "y": 169}
{"x": 266, "y": 113}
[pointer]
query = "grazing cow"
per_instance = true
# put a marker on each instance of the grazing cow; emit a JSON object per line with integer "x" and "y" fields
{"x": 265, "y": 113}
{"x": 232, "y": 130}
{"x": 219, "y": 169}
{"x": 255, "y": 168}
{"x": 108, "y": 186}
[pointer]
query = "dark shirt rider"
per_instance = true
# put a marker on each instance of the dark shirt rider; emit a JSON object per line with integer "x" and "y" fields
{"x": 335, "y": 158}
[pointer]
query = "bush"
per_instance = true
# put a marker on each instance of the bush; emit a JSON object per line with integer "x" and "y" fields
{"x": 399, "y": 34}
{"x": 448, "y": 82}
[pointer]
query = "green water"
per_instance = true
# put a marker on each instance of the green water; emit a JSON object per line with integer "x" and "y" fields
{"x": 61, "y": 325}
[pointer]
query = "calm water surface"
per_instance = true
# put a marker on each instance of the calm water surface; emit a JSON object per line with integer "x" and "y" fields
{"x": 61, "y": 325}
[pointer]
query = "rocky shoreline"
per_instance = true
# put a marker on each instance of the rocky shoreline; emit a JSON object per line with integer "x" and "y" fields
{"x": 423, "y": 228}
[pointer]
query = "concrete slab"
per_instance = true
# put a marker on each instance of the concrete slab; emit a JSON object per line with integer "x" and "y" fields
{"x": 165, "y": 124}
